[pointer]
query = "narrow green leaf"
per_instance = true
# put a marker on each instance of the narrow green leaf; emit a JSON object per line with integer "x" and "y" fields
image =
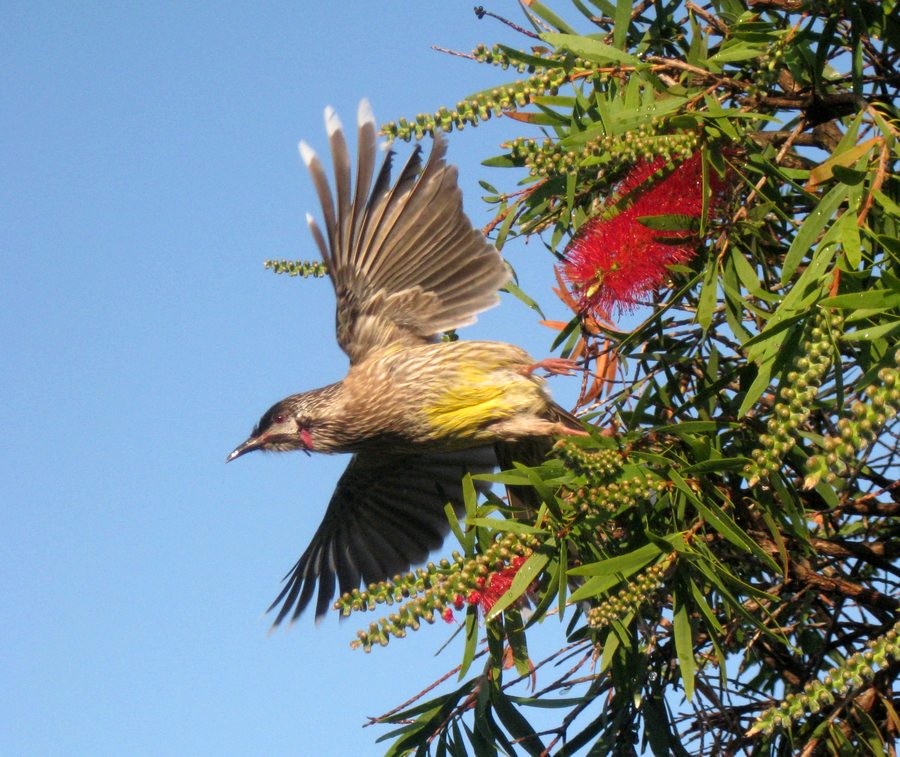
{"x": 850, "y": 241}
{"x": 848, "y": 175}
{"x": 618, "y": 636}
{"x": 875, "y": 299}
{"x": 549, "y": 16}
{"x": 708, "y": 296}
{"x": 669, "y": 222}
{"x": 621, "y": 22}
{"x": 621, "y": 564}
{"x": 811, "y": 228}
{"x": 684, "y": 645}
{"x": 471, "y": 640}
{"x": 591, "y": 49}
{"x": 716, "y": 466}
{"x": 739, "y": 50}
{"x": 516, "y": 292}
{"x": 500, "y": 161}
{"x": 749, "y": 278}
{"x": 887, "y": 203}
{"x": 760, "y": 383}
{"x": 505, "y": 525}
{"x": 721, "y": 521}
{"x": 705, "y": 610}
{"x": 519, "y": 728}
{"x": 871, "y": 333}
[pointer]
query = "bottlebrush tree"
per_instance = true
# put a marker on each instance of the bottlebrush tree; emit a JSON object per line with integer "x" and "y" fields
{"x": 723, "y": 547}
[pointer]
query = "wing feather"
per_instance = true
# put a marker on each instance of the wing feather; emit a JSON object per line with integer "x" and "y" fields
{"x": 386, "y": 514}
{"x": 404, "y": 258}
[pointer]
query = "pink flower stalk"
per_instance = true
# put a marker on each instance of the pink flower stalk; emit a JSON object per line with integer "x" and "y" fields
{"x": 615, "y": 259}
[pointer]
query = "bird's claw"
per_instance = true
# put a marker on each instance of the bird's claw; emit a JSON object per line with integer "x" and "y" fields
{"x": 555, "y": 366}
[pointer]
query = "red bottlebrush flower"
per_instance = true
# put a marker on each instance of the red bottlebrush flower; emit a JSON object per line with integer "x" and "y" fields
{"x": 615, "y": 259}
{"x": 447, "y": 614}
{"x": 497, "y": 585}
{"x": 459, "y": 602}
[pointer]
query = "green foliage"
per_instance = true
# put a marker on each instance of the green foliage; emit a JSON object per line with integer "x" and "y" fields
{"x": 723, "y": 547}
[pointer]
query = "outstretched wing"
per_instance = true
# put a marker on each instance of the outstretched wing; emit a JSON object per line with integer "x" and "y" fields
{"x": 405, "y": 260}
{"x": 386, "y": 514}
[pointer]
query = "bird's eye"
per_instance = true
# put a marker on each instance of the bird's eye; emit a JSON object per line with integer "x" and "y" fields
{"x": 279, "y": 419}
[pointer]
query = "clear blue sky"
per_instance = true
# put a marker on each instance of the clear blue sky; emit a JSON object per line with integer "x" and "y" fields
{"x": 149, "y": 167}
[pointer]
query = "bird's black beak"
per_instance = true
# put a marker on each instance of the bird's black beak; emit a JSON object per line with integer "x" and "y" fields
{"x": 248, "y": 446}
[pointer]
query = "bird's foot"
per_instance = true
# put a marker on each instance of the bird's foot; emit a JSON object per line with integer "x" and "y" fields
{"x": 555, "y": 366}
{"x": 561, "y": 429}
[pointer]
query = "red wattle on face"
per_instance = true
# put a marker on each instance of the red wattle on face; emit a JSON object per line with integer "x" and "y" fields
{"x": 306, "y": 438}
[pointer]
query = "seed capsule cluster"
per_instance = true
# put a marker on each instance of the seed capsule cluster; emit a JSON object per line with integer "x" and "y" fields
{"x": 855, "y": 433}
{"x": 602, "y": 493}
{"x": 547, "y": 158}
{"x": 303, "y": 268}
{"x": 851, "y": 675}
{"x": 769, "y": 66}
{"x": 594, "y": 464}
{"x": 480, "y": 107}
{"x": 639, "y": 589}
{"x": 796, "y": 396}
{"x": 432, "y": 592}
{"x": 606, "y": 499}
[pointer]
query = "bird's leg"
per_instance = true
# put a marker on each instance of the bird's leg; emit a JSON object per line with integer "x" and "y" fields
{"x": 555, "y": 366}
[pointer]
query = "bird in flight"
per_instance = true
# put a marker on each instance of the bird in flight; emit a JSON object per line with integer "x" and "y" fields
{"x": 417, "y": 413}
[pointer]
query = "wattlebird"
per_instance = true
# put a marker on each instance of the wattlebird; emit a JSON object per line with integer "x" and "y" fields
{"x": 416, "y": 412}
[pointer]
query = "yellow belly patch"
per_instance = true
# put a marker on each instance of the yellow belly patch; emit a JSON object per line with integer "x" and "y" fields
{"x": 477, "y": 398}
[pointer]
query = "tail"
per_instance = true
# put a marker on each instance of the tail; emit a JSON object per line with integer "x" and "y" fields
{"x": 559, "y": 414}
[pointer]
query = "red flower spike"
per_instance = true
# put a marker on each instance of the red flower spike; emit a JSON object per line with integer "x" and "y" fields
{"x": 498, "y": 583}
{"x": 447, "y": 614}
{"x": 615, "y": 259}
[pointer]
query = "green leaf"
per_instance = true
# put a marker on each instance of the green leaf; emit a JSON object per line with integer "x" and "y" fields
{"x": 591, "y": 49}
{"x": 708, "y": 296}
{"x": 621, "y": 564}
{"x": 500, "y": 161}
{"x": 471, "y": 645}
{"x": 684, "y": 645}
{"x": 669, "y": 222}
{"x": 505, "y": 525}
{"x": 519, "y": 728}
{"x": 848, "y": 175}
{"x": 716, "y": 466}
{"x": 621, "y": 22}
{"x": 721, "y": 521}
{"x": 810, "y": 229}
{"x": 872, "y": 333}
{"x": 696, "y": 427}
{"x": 549, "y": 16}
{"x": 731, "y": 53}
{"x": 712, "y": 621}
{"x": 841, "y": 159}
{"x": 886, "y": 202}
{"x": 516, "y": 292}
{"x": 617, "y": 637}
{"x": 538, "y": 61}
{"x": 874, "y": 299}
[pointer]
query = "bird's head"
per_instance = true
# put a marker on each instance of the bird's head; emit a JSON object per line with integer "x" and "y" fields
{"x": 298, "y": 422}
